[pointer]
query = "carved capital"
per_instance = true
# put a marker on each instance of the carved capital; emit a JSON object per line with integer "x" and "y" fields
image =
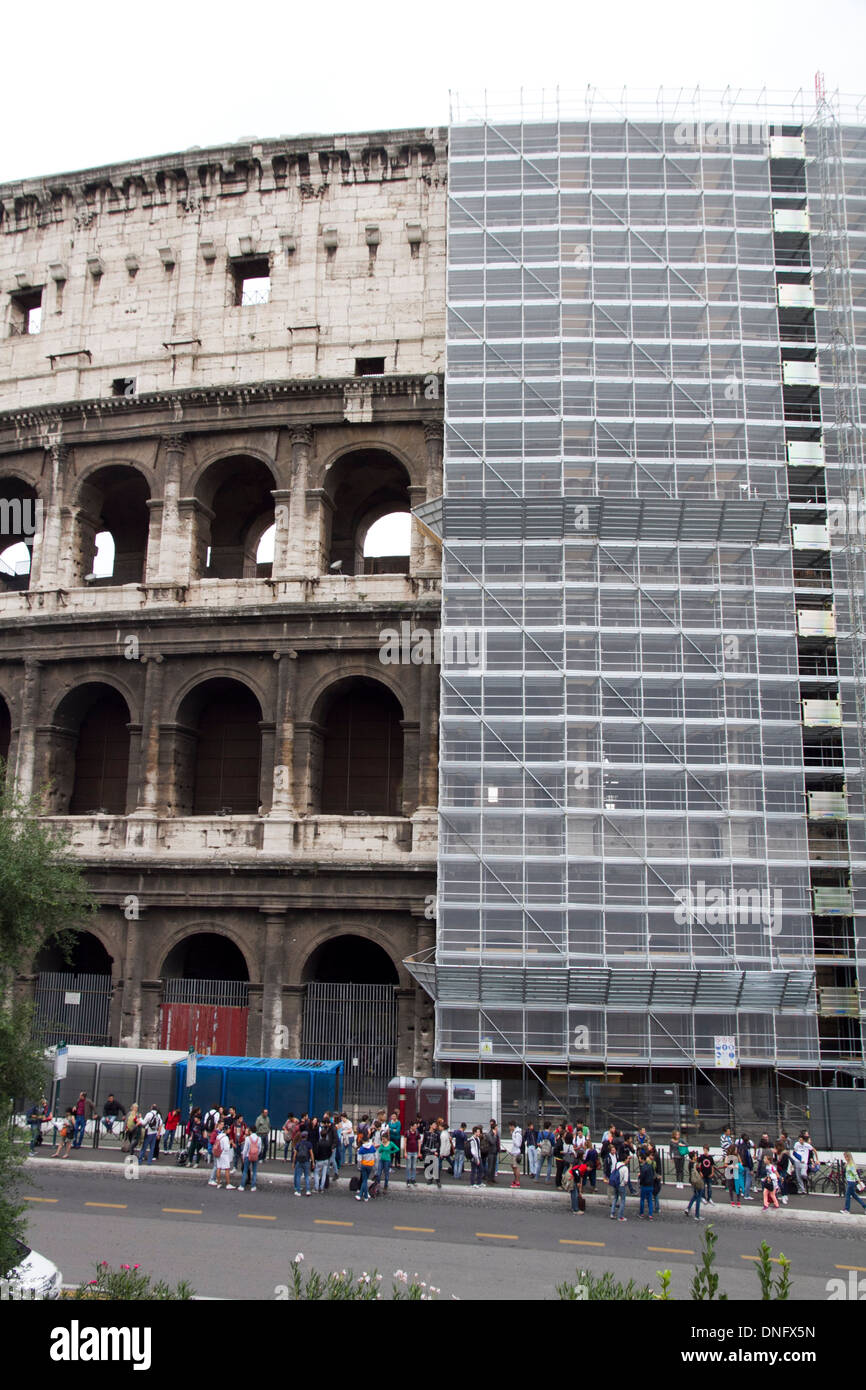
{"x": 301, "y": 436}
{"x": 175, "y": 443}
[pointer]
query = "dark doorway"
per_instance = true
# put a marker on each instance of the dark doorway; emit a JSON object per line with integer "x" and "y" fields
{"x": 102, "y": 758}
{"x": 350, "y": 1015}
{"x": 362, "y": 757}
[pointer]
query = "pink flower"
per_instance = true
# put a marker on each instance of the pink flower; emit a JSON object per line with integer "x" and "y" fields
{"x": 136, "y": 1266}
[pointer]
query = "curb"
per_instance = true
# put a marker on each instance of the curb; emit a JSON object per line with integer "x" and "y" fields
{"x": 398, "y": 1189}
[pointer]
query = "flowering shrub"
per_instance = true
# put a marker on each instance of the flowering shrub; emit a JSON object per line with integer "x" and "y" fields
{"x": 344, "y": 1285}
{"x": 127, "y": 1282}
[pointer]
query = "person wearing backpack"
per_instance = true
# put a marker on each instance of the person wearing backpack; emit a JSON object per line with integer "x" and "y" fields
{"x": 646, "y": 1178}
{"x": 546, "y": 1140}
{"x": 251, "y": 1150}
{"x": 303, "y": 1158}
{"x": 152, "y": 1123}
{"x": 222, "y": 1155}
{"x": 619, "y": 1188}
{"x": 494, "y": 1144}
{"x": 366, "y": 1168}
{"x": 696, "y": 1178}
{"x": 324, "y": 1147}
{"x": 591, "y": 1158}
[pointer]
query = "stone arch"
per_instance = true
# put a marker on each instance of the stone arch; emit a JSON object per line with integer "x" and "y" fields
{"x": 326, "y": 943}
{"x": 217, "y": 755}
{"x": 234, "y": 501}
{"x": 172, "y": 938}
{"x": 20, "y": 524}
{"x": 90, "y": 750}
{"x": 357, "y": 762}
{"x": 111, "y": 500}
{"x": 210, "y": 954}
{"x": 362, "y": 484}
{"x": 89, "y": 956}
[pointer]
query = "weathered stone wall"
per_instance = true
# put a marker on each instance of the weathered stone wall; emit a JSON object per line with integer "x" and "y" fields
{"x": 136, "y": 263}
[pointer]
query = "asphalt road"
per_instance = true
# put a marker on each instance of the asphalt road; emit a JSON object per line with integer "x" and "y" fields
{"x": 489, "y": 1246}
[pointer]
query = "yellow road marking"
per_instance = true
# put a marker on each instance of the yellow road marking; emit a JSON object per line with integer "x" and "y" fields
{"x": 425, "y": 1230}
{"x": 599, "y": 1243}
{"x": 115, "y": 1206}
{"x": 322, "y": 1222}
{"x": 861, "y": 1268}
{"x": 757, "y": 1257}
{"x": 42, "y": 1199}
{"x": 254, "y": 1216}
{"x": 184, "y": 1211}
{"x": 668, "y": 1250}
{"x": 494, "y": 1235}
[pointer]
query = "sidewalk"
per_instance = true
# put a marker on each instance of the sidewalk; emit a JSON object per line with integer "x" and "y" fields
{"x": 818, "y": 1207}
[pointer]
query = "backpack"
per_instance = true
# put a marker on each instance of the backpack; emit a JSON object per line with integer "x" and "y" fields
{"x": 647, "y": 1174}
{"x": 615, "y": 1177}
{"x": 567, "y": 1180}
{"x": 485, "y": 1145}
{"x": 254, "y": 1148}
{"x": 210, "y": 1122}
{"x": 153, "y": 1121}
{"x": 218, "y": 1144}
{"x": 546, "y": 1148}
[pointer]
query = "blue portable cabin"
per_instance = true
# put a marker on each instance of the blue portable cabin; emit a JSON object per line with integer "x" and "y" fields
{"x": 251, "y": 1083}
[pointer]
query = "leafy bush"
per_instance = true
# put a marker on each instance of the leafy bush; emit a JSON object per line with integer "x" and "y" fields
{"x": 606, "y": 1289}
{"x": 128, "y": 1283}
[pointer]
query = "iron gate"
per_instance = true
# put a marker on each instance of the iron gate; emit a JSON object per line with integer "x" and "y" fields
{"x": 208, "y": 1015}
{"x": 72, "y": 1008}
{"x": 355, "y": 1025}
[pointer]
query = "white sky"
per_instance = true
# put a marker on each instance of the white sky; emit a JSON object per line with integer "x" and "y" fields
{"x": 102, "y": 82}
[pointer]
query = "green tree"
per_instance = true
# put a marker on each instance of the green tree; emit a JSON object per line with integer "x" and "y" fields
{"x": 43, "y": 898}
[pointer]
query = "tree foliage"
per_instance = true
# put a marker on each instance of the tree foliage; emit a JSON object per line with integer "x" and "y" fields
{"x": 43, "y": 898}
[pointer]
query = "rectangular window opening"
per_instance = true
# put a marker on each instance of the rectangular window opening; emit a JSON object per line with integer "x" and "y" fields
{"x": 252, "y": 276}
{"x": 26, "y": 313}
{"x": 369, "y": 366}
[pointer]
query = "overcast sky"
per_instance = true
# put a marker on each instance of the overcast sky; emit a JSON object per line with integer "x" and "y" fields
{"x": 89, "y": 84}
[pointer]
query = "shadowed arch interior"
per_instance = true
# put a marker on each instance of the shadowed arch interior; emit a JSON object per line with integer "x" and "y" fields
{"x": 361, "y": 750}
{"x": 219, "y": 750}
{"x": 205, "y": 956}
{"x": 5, "y": 731}
{"x": 87, "y": 957}
{"x": 238, "y": 491}
{"x": 19, "y": 523}
{"x": 114, "y": 499}
{"x": 350, "y": 960}
{"x": 363, "y": 486}
{"x": 92, "y": 762}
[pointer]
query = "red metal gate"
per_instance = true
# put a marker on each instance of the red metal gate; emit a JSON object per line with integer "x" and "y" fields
{"x": 212, "y": 1029}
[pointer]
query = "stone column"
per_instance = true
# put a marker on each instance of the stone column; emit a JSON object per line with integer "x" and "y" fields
{"x": 131, "y": 1003}
{"x": 165, "y": 563}
{"x": 405, "y": 1032}
{"x": 307, "y": 763}
{"x": 25, "y": 760}
{"x": 45, "y": 558}
{"x": 417, "y": 537}
{"x": 320, "y": 510}
{"x": 275, "y": 1035}
{"x": 267, "y": 737}
{"x": 281, "y": 568}
{"x": 428, "y": 738}
{"x": 293, "y": 1017}
{"x": 148, "y": 769}
{"x": 410, "y": 766}
{"x": 434, "y": 441}
{"x": 297, "y": 553}
{"x": 284, "y": 771}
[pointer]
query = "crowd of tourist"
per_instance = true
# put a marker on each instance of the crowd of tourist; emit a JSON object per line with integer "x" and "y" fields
{"x": 319, "y": 1149}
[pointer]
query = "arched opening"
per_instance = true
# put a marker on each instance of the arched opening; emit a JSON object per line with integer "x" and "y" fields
{"x": 205, "y": 996}
{"x": 205, "y": 956}
{"x": 218, "y": 750}
{"x": 363, "y": 487}
{"x": 359, "y": 767}
{"x": 112, "y": 527}
{"x": 350, "y": 960}
{"x": 73, "y": 996}
{"x": 5, "y": 734}
{"x": 387, "y": 544}
{"x": 350, "y": 1014}
{"x": 20, "y": 520}
{"x": 90, "y": 760}
{"x": 237, "y": 509}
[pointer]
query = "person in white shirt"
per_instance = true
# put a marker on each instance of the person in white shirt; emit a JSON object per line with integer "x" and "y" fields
{"x": 801, "y": 1154}
{"x": 222, "y": 1152}
{"x": 514, "y": 1150}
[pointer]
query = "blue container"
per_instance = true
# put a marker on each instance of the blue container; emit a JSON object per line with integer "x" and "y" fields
{"x": 251, "y": 1083}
